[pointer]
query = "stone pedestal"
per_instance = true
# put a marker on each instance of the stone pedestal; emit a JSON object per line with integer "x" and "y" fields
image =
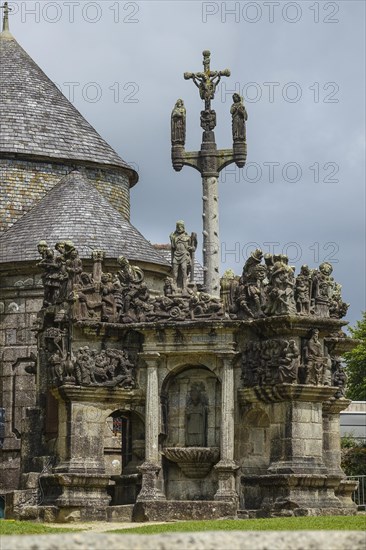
{"x": 76, "y": 496}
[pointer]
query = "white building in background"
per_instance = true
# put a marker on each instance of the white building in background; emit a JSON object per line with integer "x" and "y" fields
{"x": 353, "y": 420}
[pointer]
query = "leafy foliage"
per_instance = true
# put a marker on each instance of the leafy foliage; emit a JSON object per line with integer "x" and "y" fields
{"x": 353, "y": 456}
{"x": 356, "y": 363}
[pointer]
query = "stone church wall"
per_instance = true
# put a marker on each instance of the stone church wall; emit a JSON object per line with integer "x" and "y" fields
{"x": 24, "y": 183}
{"x": 20, "y": 299}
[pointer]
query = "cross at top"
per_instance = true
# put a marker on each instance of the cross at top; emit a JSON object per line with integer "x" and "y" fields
{"x": 6, "y": 9}
{"x": 207, "y": 81}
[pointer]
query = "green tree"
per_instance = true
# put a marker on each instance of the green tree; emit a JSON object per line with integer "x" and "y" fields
{"x": 356, "y": 363}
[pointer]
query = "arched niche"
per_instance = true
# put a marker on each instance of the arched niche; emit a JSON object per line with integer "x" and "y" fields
{"x": 191, "y": 408}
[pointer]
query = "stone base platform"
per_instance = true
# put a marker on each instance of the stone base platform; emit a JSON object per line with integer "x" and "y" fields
{"x": 298, "y": 495}
{"x": 170, "y": 510}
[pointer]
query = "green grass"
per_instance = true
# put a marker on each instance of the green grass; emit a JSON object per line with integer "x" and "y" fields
{"x": 11, "y": 527}
{"x": 273, "y": 524}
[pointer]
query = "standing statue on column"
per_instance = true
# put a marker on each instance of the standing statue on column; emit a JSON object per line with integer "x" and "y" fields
{"x": 182, "y": 249}
{"x": 240, "y": 116}
{"x": 178, "y": 123}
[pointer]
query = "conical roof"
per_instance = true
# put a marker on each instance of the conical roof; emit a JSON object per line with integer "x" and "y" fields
{"x": 37, "y": 119}
{"x": 74, "y": 210}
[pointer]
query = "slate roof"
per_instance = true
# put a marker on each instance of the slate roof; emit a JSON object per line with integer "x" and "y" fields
{"x": 74, "y": 210}
{"x": 37, "y": 119}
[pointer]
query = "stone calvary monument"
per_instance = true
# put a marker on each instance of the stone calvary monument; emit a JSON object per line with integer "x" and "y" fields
{"x": 131, "y": 389}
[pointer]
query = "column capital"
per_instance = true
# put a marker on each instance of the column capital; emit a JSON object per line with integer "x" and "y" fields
{"x": 228, "y": 357}
{"x": 151, "y": 358}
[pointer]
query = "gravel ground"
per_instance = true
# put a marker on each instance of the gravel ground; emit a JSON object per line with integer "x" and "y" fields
{"x": 214, "y": 540}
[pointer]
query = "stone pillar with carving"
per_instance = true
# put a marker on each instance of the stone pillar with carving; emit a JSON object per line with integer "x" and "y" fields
{"x": 150, "y": 469}
{"x": 227, "y": 467}
{"x": 209, "y": 161}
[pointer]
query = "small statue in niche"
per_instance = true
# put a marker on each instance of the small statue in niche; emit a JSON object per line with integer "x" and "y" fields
{"x": 182, "y": 247}
{"x": 289, "y": 363}
{"x": 178, "y": 123}
{"x": 196, "y": 416}
{"x": 302, "y": 291}
{"x": 240, "y": 116}
{"x": 314, "y": 359}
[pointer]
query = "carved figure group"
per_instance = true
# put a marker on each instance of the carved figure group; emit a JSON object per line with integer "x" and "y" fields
{"x": 88, "y": 367}
{"x": 266, "y": 288}
{"x": 272, "y": 289}
{"x": 61, "y": 273}
{"x": 279, "y": 361}
{"x": 270, "y": 362}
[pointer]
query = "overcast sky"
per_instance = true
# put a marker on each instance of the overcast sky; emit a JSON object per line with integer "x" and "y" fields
{"x": 301, "y": 69}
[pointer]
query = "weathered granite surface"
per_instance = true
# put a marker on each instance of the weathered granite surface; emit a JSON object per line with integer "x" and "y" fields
{"x": 214, "y": 540}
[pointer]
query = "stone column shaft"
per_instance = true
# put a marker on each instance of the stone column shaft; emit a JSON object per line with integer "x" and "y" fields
{"x": 152, "y": 413}
{"x": 151, "y": 467}
{"x": 211, "y": 239}
{"x": 226, "y": 467}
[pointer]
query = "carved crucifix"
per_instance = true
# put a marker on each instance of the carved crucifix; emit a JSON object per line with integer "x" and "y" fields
{"x": 209, "y": 161}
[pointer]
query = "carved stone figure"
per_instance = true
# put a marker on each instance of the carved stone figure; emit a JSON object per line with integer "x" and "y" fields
{"x": 339, "y": 376}
{"x": 281, "y": 299}
{"x": 289, "y": 363}
{"x": 107, "y": 289}
{"x": 302, "y": 291}
{"x": 182, "y": 248}
{"x": 196, "y": 416}
{"x": 322, "y": 289}
{"x": 315, "y": 360}
{"x": 178, "y": 123}
{"x": 240, "y": 116}
{"x": 228, "y": 285}
{"x": 131, "y": 293}
{"x": 50, "y": 277}
{"x": 337, "y": 308}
